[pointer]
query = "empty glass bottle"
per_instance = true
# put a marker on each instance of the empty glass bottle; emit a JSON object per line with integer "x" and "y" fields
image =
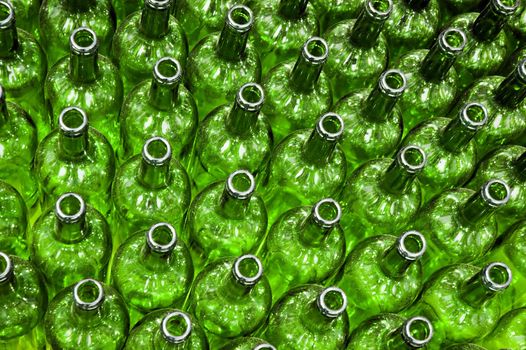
{"x": 451, "y": 156}
{"x": 89, "y": 81}
{"x": 75, "y": 157}
{"x": 459, "y": 225}
{"x": 226, "y": 219}
{"x": 432, "y": 80}
{"x": 298, "y": 92}
{"x": 309, "y": 317}
{"x": 232, "y": 137}
{"x": 18, "y": 141}
{"x": 23, "y": 303}
{"x": 510, "y": 332}
{"x": 167, "y": 329}
{"x": 231, "y": 298}
{"x": 58, "y": 19}
{"x": 305, "y": 245}
{"x": 306, "y": 166}
{"x": 373, "y": 122}
{"x": 224, "y": 61}
{"x": 70, "y": 242}
{"x": 13, "y": 222}
{"x": 145, "y": 37}
{"x": 149, "y": 188}
{"x": 381, "y": 196}
{"x": 513, "y": 60}
{"x": 392, "y": 332}
{"x": 162, "y": 107}
{"x": 248, "y": 343}
{"x": 152, "y": 269}
{"x": 358, "y": 50}
{"x": 88, "y": 314}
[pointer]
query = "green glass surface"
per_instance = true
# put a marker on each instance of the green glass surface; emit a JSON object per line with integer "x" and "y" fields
{"x": 373, "y": 122}
{"x": 27, "y": 15}
{"x": 70, "y": 242}
{"x": 297, "y": 91}
{"x": 306, "y": 166}
{"x": 332, "y": 11}
{"x": 248, "y": 343}
{"x": 226, "y": 219}
{"x": 461, "y": 6}
{"x": 305, "y": 245}
{"x": 232, "y": 137}
{"x": 148, "y": 333}
{"x": 75, "y": 158}
{"x": 145, "y": 37}
{"x": 465, "y": 347}
{"x": 510, "y": 332}
{"x": 298, "y": 322}
{"x": 162, "y": 107}
{"x": 13, "y": 222}
{"x": 358, "y": 50}
{"x": 223, "y": 61}
{"x": 95, "y": 318}
{"x": 59, "y": 18}
{"x": 89, "y": 81}
{"x": 513, "y": 60}
{"x": 517, "y": 22}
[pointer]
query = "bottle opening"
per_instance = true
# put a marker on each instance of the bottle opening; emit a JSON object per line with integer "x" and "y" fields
{"x": 264, "y": 347}
{"x": 412, "y": 158}
{"x": 417, "y": 332}
{"x": 176, "y": 327}
{"x": 393, "y": 82}
{"x": 332, "y": 302}
{"x": 167, "y": 71}
{"x": 250, "y": 97}
{"x": 240, "y": 18}
{"x": 161, "y": 237}
{"x": 379, "y": 9}
{"x": 157, "y": 151}
{"x": 73, "y": 121}
{"x": 158, "y": 4}
{"x": 505, "y": 7}
{"x": 474, "y": 115}
{"x": 241, "y": 184}
{"x": 330, "y": 126}
{"x": 88, "y": 294}
{"x": 83, "y": 41}
{"x": 70, "y": 208}
{"x": 6, "y": 267}
{"x": 452, "y": 40}
{"x": 316, "y": 50}
{"x": 496, "y": 276}
{"x": 248, "y": 270}
{"x": 7, "y": 15}
{"x": 327, "y": 213}
{"x": 412, "y": 245}
{"x": 496, "y": 193}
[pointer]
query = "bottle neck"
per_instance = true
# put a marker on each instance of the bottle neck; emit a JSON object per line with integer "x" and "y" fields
{"x": 476, "y": 209}
{"x": 7, "y": 277}
{"x": 73, "y": 146}
{"x": 155, "y": 22}
{"x": 232, "y": 43}
{"x": 369, "y": 23}
{"x": 317, "y": 149}
{"x": 292, "y": 9}
{"x": 84, "y": 68}
{"x": 393, "y": 264}
{"x": 486, "y": 284}
{"x": 314, "y": 320}
{"x": 442, "y": 55}
{"x": 305, "y": 75}
{"x": 520, "y": 166}
{"x": 163, "y": 96}
{"x": 232, "y": 207}
{"x": 512, "y": 90}
{"x": 240, "y": 121}
{"x": 71, "y": 232}
{"x": 311, "y": 233}
{"x": 233, "y": 290}
{"x": 154, "y": 176}
{"x": 397, "y": 179}
{"x": 417, "y": 5}
{"x": 86, "y": 318}
{"x": 460, "y": 130}
{"x": 379, "y": 105}
{"x": 4, "y": 112}
{"x": 8, "y": 41}
{"x": 491, "y": 20}
{"x": 154, "y": 260}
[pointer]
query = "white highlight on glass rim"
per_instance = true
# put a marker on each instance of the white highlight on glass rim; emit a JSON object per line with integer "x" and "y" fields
{"x": 158, "y": 4}
{"x": 504, "y": 9}
{"x": 370, "y": 7}
{"x": 156, "y": 246}
{"x": 405, "y": 252}
{"x": 235, "y": 192}
{"x": 247, "y": 280}
{"x": 66, "y": 129}
{"x": 165, "y": 79}
{"x": 326, "y": 222}
{"x": 249, "y": 105}
{"x": 470, "y": 123}
{"x": 402, "y": 159}
{"x": 489, "y": 198}
{"x": 521, "y": 70}
{"x": 324, "y": 133}
{"x": 408, "y": 336}
{"x": 311, "y": 57}
{"x": 8, "y": 270}
{"x": 172, "y": 338}
{"x": 91, "y": 305}
{"x": 325, "y": 309}
{"x": 240, "y": 27}
{"x": 10, "y": 18}
{"x": 149, "y": 158}
{"x": 264, "y": 347}
{"x": 388, "y": 89}
{"x": 70, "y": 218}
{"x": 447, "y": 47}
{"x": 83, "y": 50}
{"x": 489, "y": 282}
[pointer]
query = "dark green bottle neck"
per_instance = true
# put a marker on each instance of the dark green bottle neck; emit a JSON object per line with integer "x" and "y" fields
{"x": 383, "y": 97}
{"x": 8, "y": 38}
{"x": 483, "y": 203}
{"x": 400, "y": 175}
{"x": 311, "y": 234}
{"x": 309, "y": 65}
{"x": 155, "y": 18}
{"x": 442, "y": 55}
{"x": 154, "y": 175}
{"x": 370, "y": 22}
{"x": 417, "y": 5}
{"x": 244, "y": 114}
{"x": 318, "y": 225}
{"x": 320, "y": 146}
{"x": 79, "y": 5}
{"x": 519, "y": 166}
{"x": 4, "y": 112}
{"x": 160, "y": 241}
{"x": 399, "y": 257}
{"x": 319, "y": 315}
{"x": 492, "y": 19}
{"x": 314, "y": 320}
{"x": 415, "y": 333}
{"x": 237, "y": 194}
{"x": 84, "y": 56}
{"x": 73, "y": 142}
{"x": 486, "y": 284}
{"x": 292, "y": 9}
{"x": 71, "y": 232}
{"x": 164, "y": 88}
{"x": 233, "y": 39}
{"x": 233, "y": 207}
{"x": 460, "y": 130}
{"x": 512, "y": 90}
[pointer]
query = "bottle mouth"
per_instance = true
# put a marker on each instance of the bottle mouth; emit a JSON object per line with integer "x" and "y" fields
{"x": 473, "y": 116}
{"x": 417, "y": 331}
{"x": 412, "y": 245}
{"x": 264, "y": 347}
{"x": 412, "y": 158}
{"x": 247, "y": 270}
{"x": 505, "y": 7}
{"x": 332, "y": 302}
{"x": 496, "y": 276}
{"x": 161, "y": 238}
{"x": 6, "y": 267}
{"x": 452, "y": 41}
{"x": 250, "y": 97}
{"x": 168, "y": 71}
{"x": 157, "y": 151}
{"x": 495, "y": 193}
{"x": 73, "y": 121}
{"x": 392, "y": 82}
{"x": 240, "y": 18}
{"x": 521, "y": 70}
{"x": 176, "y": 327}
{"x": 70, "y": 208}
{"x": 327, "y": 213}
{"x": 158, "y": 4}
{"x": 241, "y": 184}
{"x": 7, "y": 15}
{"x": 379, "y": 9}
{"x": 330, "y": 126}
{"x": 83, "y": 42}
{"x": 88, "y": 294}
{"x": 315, "y": 50}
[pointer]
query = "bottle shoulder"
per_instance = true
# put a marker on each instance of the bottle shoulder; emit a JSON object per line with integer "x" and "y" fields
{"x": 372, "y": 333}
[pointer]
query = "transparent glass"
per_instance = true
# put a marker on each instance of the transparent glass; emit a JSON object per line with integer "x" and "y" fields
{"x": 509, "y": 332}
{"x": 13, "y": 222}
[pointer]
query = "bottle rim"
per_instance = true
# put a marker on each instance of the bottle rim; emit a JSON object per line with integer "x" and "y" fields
{"x": 247, "y": 280}
{"x": 176, "y": 339}
{"x": 387, "y": 88}
{"x": 244, "y": 103}
{"x": 80, "y": 49}
{"x": 503, "y": 9}
{"x": 406, "y": 164}
{"x": 376, "y": 13}
{"x": 326, "y": 134}
{"x": 489, "y": 282}
{"x": 8, "y": 21}
{"x": 151, "y": 159}
{"x": 326, "y": 222}
{"x": 470, "y": 123}
{"x": 521, "y": 70}
{"x": 76, "y": 130}
{"x": 168, "y": 79}
{"x": 235, "y": 192}
{"x": 489, "y": 198}
{"x": 236, "y": 25}
{"x": 325, "y": 309}
{"x": 405, "y": 252}
{"x": 312, "y": 57}
{"x": 264, "y": 346}
{"x": 91, "y": 305}
{"x": 156, "y": 246}
{"x": 8, "y": 270}
{"x": 70, "y": 218}
{"x": 410, "y": 339}
{"x": 158, "y": 4}
{"x": 449, "y": 48}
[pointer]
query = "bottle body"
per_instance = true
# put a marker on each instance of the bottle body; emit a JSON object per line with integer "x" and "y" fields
{"x": 509, "y": 332}
{"x": 14, "y": 222}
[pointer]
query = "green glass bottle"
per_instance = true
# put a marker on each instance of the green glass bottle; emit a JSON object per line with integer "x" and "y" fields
{"x": 27, "y": 15}
{"x": 58, "y": 19}
{"x": 167, "y": 329}
{"x": 223, "y": 61}
{"x": 281, "y": 28}
{"x": 517, "y": 22}
{"x": 162, "y": 107}
{"x": 149, "y": 188}
{"x": 306, "y": 166}
{"x": 18, "y": 141}
{"x": 75, "y": 157}
{"x": 510, "y": 332}
{"x": 89, "y": 81}
{"x": 461, "y": 301}
{"x": 70, "y": 242}
{"x": 305, "y": 245}
{"x": 23, "y": 68}
{"x": 226, "y": 219}
{"x": 333, "y": 11}
{"x": 392, "y": 332}
{"x": 358, "y": 51}
{"x": 451, "y": 156}
{"x": 513, "y": 60}
{"x": 13, "y": 222}
{"x": 298, "y": 92}
{"x": 88, "y": 314}
{"x": 381, "y": 196}
{"x": 145, "y": 37}
{"x": 231, "y": 298}
{"x": 382, "y": 274}
{"x": 373, "y": 122}
{"x": 309, "y": 317}
{"x": 459, "y": 225}
{"x": 488, "y": 44}
{"x": 412, "y": 25}
{"x": 152, "y": 269}
{"x": 232, "y": 137}
{"x": 23, "y": 304}
{"x": 248, "y": 343}
{"x": 432, "y": 80}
